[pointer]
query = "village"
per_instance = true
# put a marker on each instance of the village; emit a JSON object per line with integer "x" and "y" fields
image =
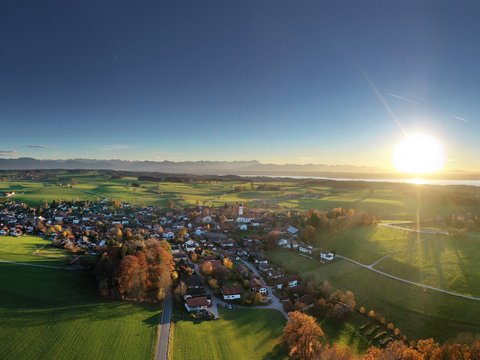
{"x": 220, "y": 259}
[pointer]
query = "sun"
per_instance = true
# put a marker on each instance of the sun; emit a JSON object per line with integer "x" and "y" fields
{"x": 419, "y": 154}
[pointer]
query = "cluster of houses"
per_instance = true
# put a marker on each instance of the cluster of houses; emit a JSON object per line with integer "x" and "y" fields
{"x": 212, "y": 234}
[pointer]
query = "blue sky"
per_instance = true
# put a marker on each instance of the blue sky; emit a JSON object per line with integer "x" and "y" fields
{"x": 276, "y": 81}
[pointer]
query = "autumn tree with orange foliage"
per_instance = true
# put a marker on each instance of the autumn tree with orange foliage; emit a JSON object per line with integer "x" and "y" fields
{"x": 302, "y": 335}
{"x": 228, "y": 263}
{"x": 143, "y": 273}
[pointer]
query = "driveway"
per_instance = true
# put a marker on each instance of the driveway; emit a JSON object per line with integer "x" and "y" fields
{"x": 215, "y": 302}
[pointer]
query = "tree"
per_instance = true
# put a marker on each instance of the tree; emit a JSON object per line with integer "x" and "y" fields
{"x": 228, "y": 263}
{"x": 258, "y": 298}
{"x": 395, "y": 350}
{"x": 213, "y": 283}
{"x": 132, "y": 282}
{"x": 335, "y": 352}
{"x": 180, "y": 290}
{"x": 309, "y": 233}
{"x": 206, "y": 268}
{"x": 302, "y": 335}
{"x": 181, "y": 233}
{"x": 344, "y": 303}
{"x": 428, "y": 348}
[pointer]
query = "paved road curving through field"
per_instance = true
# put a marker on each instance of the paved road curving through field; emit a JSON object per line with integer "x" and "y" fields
{"x": 164, "y": 329}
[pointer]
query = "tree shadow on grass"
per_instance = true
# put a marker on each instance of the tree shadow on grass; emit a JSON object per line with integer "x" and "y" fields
{"x": 153, "y": 320}
{"x": 280, "y": 351}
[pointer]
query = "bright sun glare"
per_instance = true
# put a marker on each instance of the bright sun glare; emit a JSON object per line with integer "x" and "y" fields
{"x": 418, "y": 154}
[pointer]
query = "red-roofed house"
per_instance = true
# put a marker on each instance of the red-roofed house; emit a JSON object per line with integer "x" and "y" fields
{"x": 232, "y": 292}
{"x": 197, "y": 303}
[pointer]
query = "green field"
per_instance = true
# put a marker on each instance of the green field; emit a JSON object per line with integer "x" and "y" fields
{"x": 418, "y": 313}
{"x": 368, "y": 244}
{"x": 447, "y": 262}
{"x": 392, "y": 201}
{"x": 56, "y": 314}
{"x": 31, "y": 249}
{"x": 242, "y": 334}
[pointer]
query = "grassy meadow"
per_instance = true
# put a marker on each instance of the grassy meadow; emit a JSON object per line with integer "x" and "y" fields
{"x": 447, "y": 262}
{"x": 243, "y": 333}
{"x": 31, "y": 249}
{"x": 57, "y": 314}
{"x": 418, "y": 313}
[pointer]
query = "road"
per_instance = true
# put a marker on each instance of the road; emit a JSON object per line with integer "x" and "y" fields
{"x": 276, "y": 303}
{"x": 164, "y": 329}
{"x": 420, "y": 231}
{"x": 216, "y": 302}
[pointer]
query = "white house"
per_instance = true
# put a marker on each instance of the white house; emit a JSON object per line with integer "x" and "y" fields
{"x": 305, "y": 249}
{"x": 243, "y": 227}
{"x": 190, "y": 245}
{"x": 244, "y": 220}
{"x": 168, "y": 235}
{"x": 283, "y": 242}
{"x": 292, "y": 230}
{"x": 231, "y": 292}
{"x": 327, "y": 256}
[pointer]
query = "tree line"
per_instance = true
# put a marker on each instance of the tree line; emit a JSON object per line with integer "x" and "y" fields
{"x": 306, "y": 340}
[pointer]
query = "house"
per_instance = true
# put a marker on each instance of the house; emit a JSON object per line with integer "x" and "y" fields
{"x": 194, "y": 292}
{"x": 292, "y": 230}
{"x": 244, "y": 220}
{"x": 290, "y": 281}
{"x": 175, "y": 249}
{"x": 16, "y": 232}
{"x": 168, "y": 235}
{"x": 179, "y": 257}
{"x": 327, "y": 256}
{"x": 197, "y": 303}
{"x": 243, "y": 227}
{"x": 231, "y": 292}
{"x": 283, "y": 243}
{"x": 306, "y": 249}
{"x": 207, "y": 219}
{"x": 260, "y": 259}
{"x": 275, "y": 274}
{"x": 256, "y": 285}
{"x": 242, "y": 271}
{"x": 194, "y": 282}
{"x": 190, "y": 245}
{"x": 228, "y": 243}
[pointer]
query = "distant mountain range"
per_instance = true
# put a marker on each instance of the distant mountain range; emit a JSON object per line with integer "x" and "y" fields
{"x": 251, "y": 167}
{"x": 242, "y": 168}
